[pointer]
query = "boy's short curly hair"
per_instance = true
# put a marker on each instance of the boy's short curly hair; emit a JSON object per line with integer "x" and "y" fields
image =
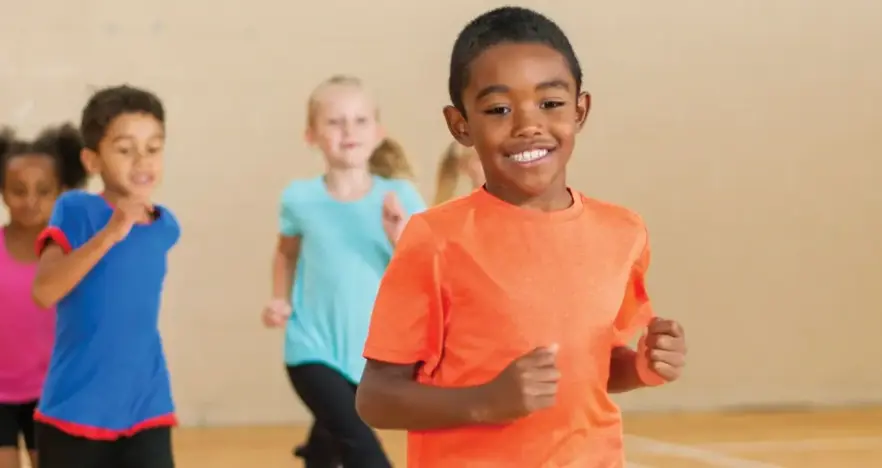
{"x": 109, "y": 103}
{"x": 501, "y": 25}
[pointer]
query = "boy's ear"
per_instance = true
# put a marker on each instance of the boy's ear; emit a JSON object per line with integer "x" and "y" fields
{"x": 583, "y": 107}
{"x": 90, "y": 161}
{"x": 458, "y": 126}
{"x": 308, "y": 136}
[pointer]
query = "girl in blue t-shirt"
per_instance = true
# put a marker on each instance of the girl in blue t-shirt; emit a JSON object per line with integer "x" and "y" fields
{"x": 337, "y": 233}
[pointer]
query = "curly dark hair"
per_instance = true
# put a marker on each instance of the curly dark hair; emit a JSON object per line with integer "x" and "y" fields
{"x": 109, "y": 103}
{"x": 62, "y": 143}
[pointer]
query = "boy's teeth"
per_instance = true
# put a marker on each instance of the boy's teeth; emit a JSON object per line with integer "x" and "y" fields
{"x": 528, "y": 156}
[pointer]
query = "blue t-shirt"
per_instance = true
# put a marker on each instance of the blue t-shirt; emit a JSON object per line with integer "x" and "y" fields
{"x": 108, "y": 375}
{"x": 343, "y": 254}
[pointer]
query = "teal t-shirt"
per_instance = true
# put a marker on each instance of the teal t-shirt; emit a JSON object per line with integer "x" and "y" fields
{"x": 343, "y": 254}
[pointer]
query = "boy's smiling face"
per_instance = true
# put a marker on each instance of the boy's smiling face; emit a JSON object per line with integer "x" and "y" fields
{"x": 522, "y": 115}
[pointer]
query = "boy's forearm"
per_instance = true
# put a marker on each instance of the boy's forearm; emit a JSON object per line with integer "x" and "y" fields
{"x": 57, "y": 278}
{"x": 623, "y": 375}
{"x": 412, "y": 406}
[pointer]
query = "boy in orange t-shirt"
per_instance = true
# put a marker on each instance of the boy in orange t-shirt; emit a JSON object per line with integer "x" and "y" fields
{"x": 499, "y": 328}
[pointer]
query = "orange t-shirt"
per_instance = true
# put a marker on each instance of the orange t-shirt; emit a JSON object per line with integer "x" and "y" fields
{"x": 477, "y": 282}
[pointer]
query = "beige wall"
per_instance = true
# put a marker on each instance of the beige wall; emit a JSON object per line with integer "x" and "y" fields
{"x": 745, "y": 132}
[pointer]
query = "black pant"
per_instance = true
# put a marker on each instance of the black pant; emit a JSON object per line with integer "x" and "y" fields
{"x": 331, "y": 399}
{"x": 150, "y": 448}
{"x": 17, "y": 419}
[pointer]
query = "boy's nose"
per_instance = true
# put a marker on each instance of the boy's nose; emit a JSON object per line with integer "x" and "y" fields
{"x": 527, "y": 124}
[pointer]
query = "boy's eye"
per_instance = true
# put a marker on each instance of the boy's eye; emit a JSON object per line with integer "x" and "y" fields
{"x": 497, "y": 110}
{"x": 551, "y": 104}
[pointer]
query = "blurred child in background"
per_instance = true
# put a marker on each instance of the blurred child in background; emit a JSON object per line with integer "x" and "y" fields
{"x": 457, "y": 160}
{"x": 337, "y": 233}
{"x": 107, "y": 400}
{"x": 32, "y": 176}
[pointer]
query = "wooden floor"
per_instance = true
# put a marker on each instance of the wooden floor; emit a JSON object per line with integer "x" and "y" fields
{"x": 840, "y": 439}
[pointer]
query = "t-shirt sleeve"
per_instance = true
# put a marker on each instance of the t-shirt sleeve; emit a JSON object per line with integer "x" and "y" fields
{"x": 174, "y": 227}
{"x": 635, "y": 312}
{"x": 289, "y": 223}
{"x": 66, "y": 225}
{"x": 410, "y": 198}
{"x": 408, "y": 318}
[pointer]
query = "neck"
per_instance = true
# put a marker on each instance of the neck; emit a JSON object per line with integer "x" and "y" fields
{"x": 113, "y": 197}
{"x": 348, "y": 182}
{"x": 16, "y": 230}
{"x": 557, "y": 197}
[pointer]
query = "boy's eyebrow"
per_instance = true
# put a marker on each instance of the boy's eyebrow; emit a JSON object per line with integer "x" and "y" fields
{"x": 557, "y": 83}
{"x": 130, "y": 137}
{"x": 492, "y": 89}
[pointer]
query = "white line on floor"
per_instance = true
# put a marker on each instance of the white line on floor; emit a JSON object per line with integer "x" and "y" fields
{"x": 645, "y": 445}
{"x": 848, "y": 443}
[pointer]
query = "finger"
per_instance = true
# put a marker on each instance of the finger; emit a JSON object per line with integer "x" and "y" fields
{"x": 665, "y": 327}
{"x": 666, "y": 371}
{"x": 541, "y": 357}
{"x": 550, "y": 350}
{"x": 543, "y": 375}
{"x": 670, "y": 358}
{"x": 390, "y": 200}
{"x": 540, "y": 389}
{"x": 539, "y": 403}
{"x": 668, "y": 343}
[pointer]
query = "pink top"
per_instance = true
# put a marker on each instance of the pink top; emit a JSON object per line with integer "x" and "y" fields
{"x": 27, "y": 331}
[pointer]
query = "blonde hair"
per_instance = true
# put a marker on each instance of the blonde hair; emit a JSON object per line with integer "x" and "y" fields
{"x": 390, "y": 161}
{"x": 449, "y": 170}
{"x": 313, "y": 104}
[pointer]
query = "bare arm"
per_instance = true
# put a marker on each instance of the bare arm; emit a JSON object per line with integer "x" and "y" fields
{"x": 58, "y": 274}
{"x": 623, "y": 376}
{"x": 389, "y": 398}
{"x": 284, "y": 265}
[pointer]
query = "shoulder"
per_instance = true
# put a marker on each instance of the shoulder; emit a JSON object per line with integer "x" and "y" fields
{"x": 302, "y": 189}
{"x": 398, "y": 185}
{"x": 167, "y": 215}
{"x": 621, "y": 222}
{"x": 78, "y": 198}
{"x": 449, "y": 219}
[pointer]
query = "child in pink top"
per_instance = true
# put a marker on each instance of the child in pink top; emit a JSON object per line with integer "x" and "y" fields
{"x": 32, "y": 175}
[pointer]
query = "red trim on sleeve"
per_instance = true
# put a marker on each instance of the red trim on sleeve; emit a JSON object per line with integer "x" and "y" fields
{"x": 55, "y": 235}
{"x": 97, "y": 433}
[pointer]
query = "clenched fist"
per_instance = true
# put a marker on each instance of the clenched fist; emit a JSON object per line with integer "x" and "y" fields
{"x": 527, "y": 385}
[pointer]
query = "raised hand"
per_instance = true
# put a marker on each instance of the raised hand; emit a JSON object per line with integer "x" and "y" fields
{"x": 126, "y": 214}
{"x": 394, "y": 217}
{"x": 666, "y": 348}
